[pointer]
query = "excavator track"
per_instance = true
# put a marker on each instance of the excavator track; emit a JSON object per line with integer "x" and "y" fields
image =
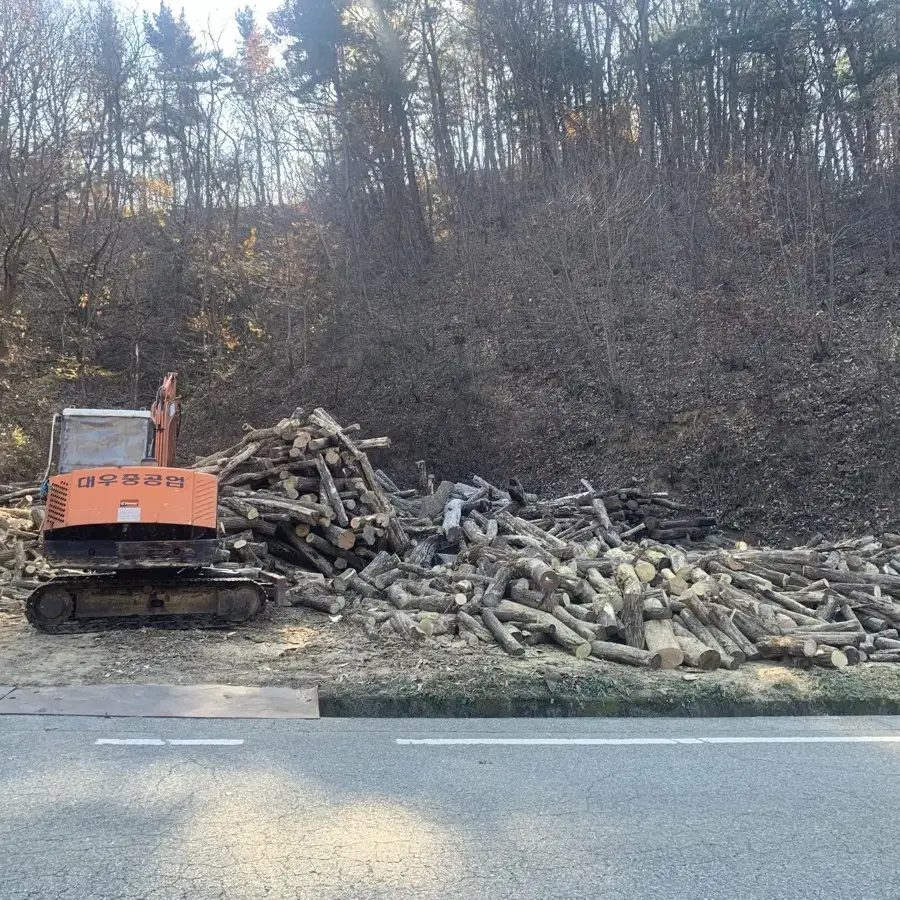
{"x": 74, "y": 603}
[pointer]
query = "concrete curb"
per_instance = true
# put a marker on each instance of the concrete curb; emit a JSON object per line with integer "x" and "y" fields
{"x": 828, "y": 694}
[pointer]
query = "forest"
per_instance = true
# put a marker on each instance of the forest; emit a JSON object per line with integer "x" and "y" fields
{"x": 521, "y": 237}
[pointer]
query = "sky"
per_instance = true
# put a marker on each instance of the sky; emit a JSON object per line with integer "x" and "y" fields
{"x": 214, "y": 15}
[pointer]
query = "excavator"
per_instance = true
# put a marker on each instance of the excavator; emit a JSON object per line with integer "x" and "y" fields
{"x": 128, "y": 532}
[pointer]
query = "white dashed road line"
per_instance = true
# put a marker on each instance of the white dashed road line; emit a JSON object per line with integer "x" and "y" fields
{"x": 173, "y": 742}
{"x": 631, "y": 742}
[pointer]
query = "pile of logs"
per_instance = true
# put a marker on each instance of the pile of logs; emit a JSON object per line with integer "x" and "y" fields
{"x": 528, "y": 572}
{"x": 303, "y": 496}
{"x": 621, "y": 575}
{"x": 22, "y": 567}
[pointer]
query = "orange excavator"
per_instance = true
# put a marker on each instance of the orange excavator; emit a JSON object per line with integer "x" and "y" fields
{"x": 140, "y": 532}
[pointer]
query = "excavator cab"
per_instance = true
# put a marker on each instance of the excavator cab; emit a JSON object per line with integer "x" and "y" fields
{"x": 89, "y": 438}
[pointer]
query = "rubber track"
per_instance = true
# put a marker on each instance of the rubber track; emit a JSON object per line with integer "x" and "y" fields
{"x": 117, "y": 623}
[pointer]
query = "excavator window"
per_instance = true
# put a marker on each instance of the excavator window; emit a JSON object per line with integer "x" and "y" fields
{"x": 92, "y": 438}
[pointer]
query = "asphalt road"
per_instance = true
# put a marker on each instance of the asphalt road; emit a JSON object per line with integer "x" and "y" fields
{"x": 352, "y": 809}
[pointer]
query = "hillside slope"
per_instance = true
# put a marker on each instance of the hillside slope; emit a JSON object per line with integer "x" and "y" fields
{"x": 542, "y": 339}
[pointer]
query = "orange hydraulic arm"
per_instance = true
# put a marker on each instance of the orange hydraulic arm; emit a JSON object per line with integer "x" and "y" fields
{"x": 166, "y": 411}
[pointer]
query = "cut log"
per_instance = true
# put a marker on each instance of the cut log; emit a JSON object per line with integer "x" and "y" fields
{"x": 432, "y": 505}
{"x": 386, "y": 579}
{"x": 516, "y": 525}
{"x": 884, "y": 643}
{"x": 475, "y": 626}
{"x": 579, "y": 627}
{"x": 542, "y": 576}
{"x": 632, "y": 614}
{"x": 405, "y": 626}
{"x": 720, "y": 618}
{"x": 422, "y": 477}
{"x": 501, "y": 634}
{"x": 834, "y": 638}
{"x": 577, "y": 645}
{"x": 452, "y": 517}
{"x": 423, "y": 553}
{"x": 522, "y": 593}
{"x": 621, "y": 653}
{"x": 330, "y": 492}
{"x": 696, "y": 654}
{"x": 301, "y": 597}
{"x": 703, "y": 634}
{"x": 383, "y": 562}
{"x": 494, "y": 592}
{"x": 831, "y": 658}
{"x": 776, "y": 646}
{"x": 660, "y": 639}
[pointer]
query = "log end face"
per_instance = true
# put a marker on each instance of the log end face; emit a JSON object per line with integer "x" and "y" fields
{"x": 670, "y": 657}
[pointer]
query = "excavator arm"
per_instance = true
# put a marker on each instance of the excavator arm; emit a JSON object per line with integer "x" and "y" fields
{"x": 166, "y": 412}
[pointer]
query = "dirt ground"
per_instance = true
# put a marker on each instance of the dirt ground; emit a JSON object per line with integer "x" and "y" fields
{"x": 385, "y": 675}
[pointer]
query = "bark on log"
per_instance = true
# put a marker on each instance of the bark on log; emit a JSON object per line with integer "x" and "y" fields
{"x": 831, "y": 658}
{"x": 577, "y": 625}
{"x": 578, "y": 646}
{"x": 473, "y": 533}
{"x": 522, "y": 593}
{"x": 405, "y": 626}
{"x": 396, "y": 536}
{"x": 386, "y": 579}
{"x": 541, "y": 575}
{"x": 660, "y": 638}
{"x": 330, "y": 491}
{"x": 834, "y": 638}
{"x": 632, "y": 614}
{"x": 881, "y": 606}
{"x": 451, "y": 523}
{"x": 517, "y": 525}
{"x": 720, "y": 618}
{"x": 422, "y": 476}
{"x": 621, "y": 653}
{"x": 432, "y": 505}
{"x": 329, "y": 605}
{"x": 696, "y": 653}
{"x": 475, "y": 626}
{"x": 423, "y": 553}
{"x": 728, "y": 645}
{"x": 750, "y": 626}
{"x": 703, "y": 634}
{"x": 494, "y": 592}
{"x": 608, "y": 590}
{"x": 501, "y": 634}
{"x": 777, "y": 646}
{"x": 382, "y": 563}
